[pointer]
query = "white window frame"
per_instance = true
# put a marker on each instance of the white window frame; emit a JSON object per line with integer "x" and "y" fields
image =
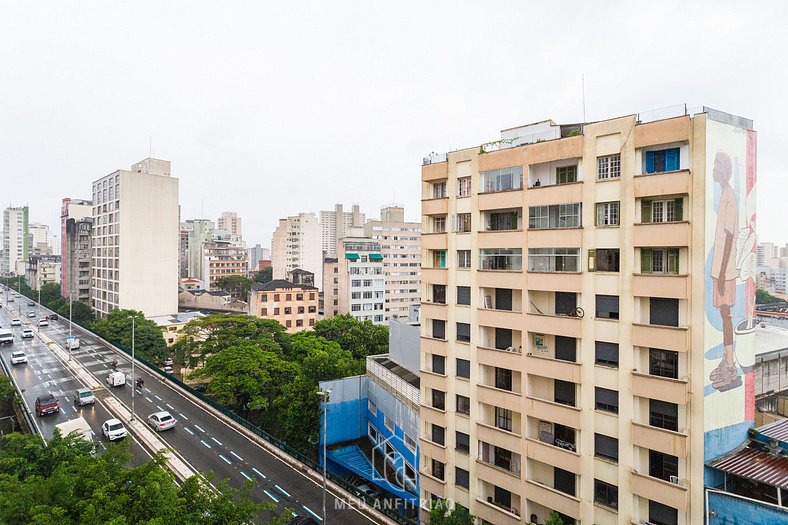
{"x": 608, "y": 213}
{"x": 464, "y": 187}
{"x": 608, "y": 167}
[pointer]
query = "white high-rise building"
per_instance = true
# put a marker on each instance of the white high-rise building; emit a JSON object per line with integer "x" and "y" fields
{"x": 296, "y": 244}
{"x": 766, "y": 251}
{"x": 230, "y": 222}
{"x": 15, "y": 239}
{"x": 337, "y": 224}
{"x": 39, "y": 239}
{"x": 200, "y": 234}
{"x": 135, "y": 240}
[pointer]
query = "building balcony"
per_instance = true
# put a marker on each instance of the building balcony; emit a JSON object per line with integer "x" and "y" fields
{"x": 434, "y": 381}
{"x": 551, "y": 411}
{"x": 553, "y": 499}
{"x": 665, "y": 183}
{"x": 660, "y": 285}
{"x": 498, "y": 238}
{"x": 497, "y": 279}
{"x": 659, "y": 439}
{"x": 655, "y": 489}
{"x": 552, "y": 455}
{"x": 553, "y": 368}
{"x": 661, "y": 234}
{"x": 500, "y": 398}
{"x": 666, "y": 337}
{"x": 433, "y": 310}
{"x": 434, "y": 241}
{"x": 436, "y": 170}
{"x": 661, "y": 388}
{"x": 433, "y": 450}
{"x": 435, "y": 206}
{"x": 499, "y": 358}
{"x": 502, "y": 438}
{"x": 555, "y": 194}
{"x": 492, "y": 513}
{"x": 501, "y": 200}
{"x": 663, "y": 131}
{"x": 432, "y": 485}
{"x": 502, "y": 477}
{"x": 554, "y": 281}
{"x": 555, "y": 324}
{"x": 552, "y": 237}
{"x": 430, "y": 345}
{"x": 499, "y": 318}
{"x": 434, "y": 275}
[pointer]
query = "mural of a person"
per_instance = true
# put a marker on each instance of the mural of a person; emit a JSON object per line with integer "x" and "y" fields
{"x": 724, "y": 272}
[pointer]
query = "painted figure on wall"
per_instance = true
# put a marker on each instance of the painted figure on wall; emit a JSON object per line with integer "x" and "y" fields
{"x": 724, "y": 272}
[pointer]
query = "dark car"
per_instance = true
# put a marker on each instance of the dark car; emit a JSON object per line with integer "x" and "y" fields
{"x": 47, "y": 404}
{"x": 53, "y": 317}
{"x": 301, "y": 520}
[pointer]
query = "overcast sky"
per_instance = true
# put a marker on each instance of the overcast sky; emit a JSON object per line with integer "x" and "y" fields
{"x": 273, "y": 108}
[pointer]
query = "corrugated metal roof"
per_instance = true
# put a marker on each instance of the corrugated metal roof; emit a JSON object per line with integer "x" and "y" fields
{"x": 777, "y": 430}
{"x": 755, "y": 463}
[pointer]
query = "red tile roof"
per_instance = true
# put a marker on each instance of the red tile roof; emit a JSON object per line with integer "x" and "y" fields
{"x": 777, "y": 430}
{"x": 755, "y": 463}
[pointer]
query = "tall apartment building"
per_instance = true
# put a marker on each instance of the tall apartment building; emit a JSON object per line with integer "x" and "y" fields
{"x": 230, "y": 222}
{"x": 39, "y": 239}
{"x": 223, "y": 259}
{"x": 337, "y": 224}
{"x": 256, "y": 254}
{"x": 16, "y": 240}
{"x": 400, "y": 245}
{"x": 767, "y": 251}
{"x": 135, "y": 240}
{"x": 41, "y": 270}
{"x": 76, "y": 225}
{"x": 296, "y": 244}
{"x": 353, "y": 282}
{"x": 587, "y": 325}
{"x": 200, "y": 233}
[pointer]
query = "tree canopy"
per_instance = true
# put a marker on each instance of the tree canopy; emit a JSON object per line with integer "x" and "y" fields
{"x": 263, "y": 276}
{"x": 361, "y": 338}
{"x": 764, "y": 297}
{"x": 440, "y": 515}
{"x": 148, "y": 339}
{"x": 236, "y": 285}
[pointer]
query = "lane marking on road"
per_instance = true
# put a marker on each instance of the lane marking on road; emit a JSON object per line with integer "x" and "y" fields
{"x": 169, "y": 406}
{"x": 226, "y": 460}
{"x": 160, "y": 409}
{"x": 244, "y": 474}
{"x": 217, "y": 441}
{"x": 157, "y": 397}
{"x": 280, "y": 489}
{"x": 75, "y": 409}
{"x": 184, "y": 417}
{"x": 237, "y": 456}
{"x": 198, "y": 428}
{"x": 187, "y": 430}
{"x": 148, "y": 390}
{"x": 312, "y": 513}
{"x": 204, "y": 443}
{"x": 259, "y": 473}
{"x": 276, "y": 500}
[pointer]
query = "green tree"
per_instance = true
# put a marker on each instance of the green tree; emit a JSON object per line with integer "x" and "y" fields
{"x": 116, "y": 328}
{"x": 7, "y": 390}
{"x": 764, "y": 297}
{"x": 554, "y": 519}
{"x": 263, "y": 276}
{"x": 361, "y": 338}
{"x": 236, "y": 285}
{"x": 440, "y": 515}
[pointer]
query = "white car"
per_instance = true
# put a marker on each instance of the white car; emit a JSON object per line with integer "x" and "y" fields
{"x": 16, "y": 322}
{"x": 17, "y": 358}
{"x": 113, "y": 429}
{"x": 27, "y": 333}
{"x": 43, "y": 322}
{"x": 161, "y": 420}
{"x": 31, "y": 314}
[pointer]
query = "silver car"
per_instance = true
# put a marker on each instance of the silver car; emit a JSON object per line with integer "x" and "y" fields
{"x": 161, "y": 420}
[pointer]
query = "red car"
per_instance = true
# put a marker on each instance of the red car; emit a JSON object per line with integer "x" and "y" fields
{"x": 47, "y": 404}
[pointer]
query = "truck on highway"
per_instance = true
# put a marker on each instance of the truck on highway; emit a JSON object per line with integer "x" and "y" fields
{"x": 72, "y": 342}
{"x": 6, "y": 336}
{"x": 77, "y": 426}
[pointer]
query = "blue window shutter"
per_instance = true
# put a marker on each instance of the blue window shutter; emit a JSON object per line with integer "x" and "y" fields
{"x": 672, "y": 159}
{"x": 649, "y": 162}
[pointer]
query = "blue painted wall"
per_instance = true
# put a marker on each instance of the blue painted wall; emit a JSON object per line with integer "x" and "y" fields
{"x": 725, "y": 509}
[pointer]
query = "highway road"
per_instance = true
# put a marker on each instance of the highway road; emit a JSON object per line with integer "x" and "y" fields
{"x": 204, "y": 441}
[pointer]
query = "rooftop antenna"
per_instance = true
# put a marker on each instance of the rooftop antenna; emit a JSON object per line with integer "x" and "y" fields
{"x": 583, "y": 84}
{"x": 150, "y": 147}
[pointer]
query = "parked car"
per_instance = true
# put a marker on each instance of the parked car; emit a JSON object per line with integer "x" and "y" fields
{"x": 369, "y": 491}
{"x": 161, "y": 420}
{"x": 84, "y": 396}
{"x": 168, "y": 362}
{"x": 27, "y": 333}
{"x": 16, "y": 322}
{"x": 17, "y": 358}
{"x": 43, "y": 322}
{"x": 47, "y": 404}
{"x": 113, "y": 429}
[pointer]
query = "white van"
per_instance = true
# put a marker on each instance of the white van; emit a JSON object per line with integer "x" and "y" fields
{"x": 116, "y": 379}
{"x": 77, "y": 426}
{"x": 6, "y": 336}
{"x": 72, "y": 342}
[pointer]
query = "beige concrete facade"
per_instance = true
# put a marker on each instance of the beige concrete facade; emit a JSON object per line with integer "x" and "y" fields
{"x": 223, "y": 259}
{"x": 294, "y": 306}
{"x": 561, "y": 283}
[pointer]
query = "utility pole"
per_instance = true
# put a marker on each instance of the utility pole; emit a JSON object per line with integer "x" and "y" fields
{"x": 133, "y": 386}
{"x": 324, "y": 394}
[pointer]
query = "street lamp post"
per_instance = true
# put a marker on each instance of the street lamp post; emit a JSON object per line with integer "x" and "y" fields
{"x": 133, "y": 386}
{"x": 324, "y": 394}
{"x": 70, "y": 350}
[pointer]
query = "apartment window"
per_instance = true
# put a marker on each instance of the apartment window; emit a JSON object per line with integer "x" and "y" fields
{"x": 663, "y": 466}
{"x": 553, "y": 259}
{"x": 663, "y": 363}
{"x": 438, "y": 399}
{"x": 438, "y": 329}
{"x": 438, "y": 434}
{"x": 566, "y": 348}
{"x": 410, "y": 443}
{"x": 504, "y": 179}
{"x": 264, "y": 297}
{"x": 663, "y": 415}
{"x": 463, "y": 186}
{"x": 662, "y": 160}
{"x": 439, "y": 190}
{"x": 439, "y": 258}
{"x": 372, "y": 407}
{"x": 508, "y": 259}
{"x": 566, "y": 174}
{"x": 608, "y": 167}
{"x": 664, "y": 312}
{"x": 462, "y": 477}
{"x": 264, "y": 312}
{"x": 502, "y": 220}
{"x": 461, "y": 222}
{"x": 607, "y": 354}
{"x": 438, "y": 469}
{"x": 312, "y": 309}
{"x": 503, "y": 379}
{"x": 276, "y": 311}
{"x": 288, "y": 310}
{"x": 463, "y": 368}
{"x": 607, "y": 306}
{"x": 659, "y": 260}
{"x": 439, "y": 293}
{"x": 462, "y": 442}
{"x": 607, "y": 213}
{"x": 606, "y": 400}
{"x": 564, "y": 481}
{"x": 463, "y": 258}
{"x": 503, "y": 419}
{"x": 604, "y": 260}
{"x": 438, "y": 364}
{"x": 564, "y": 392}
{"x": 660, "y": 514}
{"x": 463, "y": 295}
{"x": 288, "y": 323}
{"x": 606, "y": 447}
{"x": 605, "y": 494}
{"x": 355, "y": 283}
{"x": 665, "y": 210}
{"x": 463, "y": 332}
{"x": 463, "y": 405}
{"x": 299, "y": 322}
{"x": 555, "y": 216}
{"x": 439, "y": 224}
